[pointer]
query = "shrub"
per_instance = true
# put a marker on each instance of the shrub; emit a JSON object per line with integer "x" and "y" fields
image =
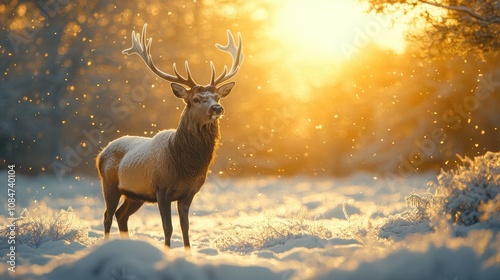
{"x": 270, "y": 232}
{"x": 465, "y": 196}
{"x": 469, "y": 194}
{"x": 45, "y": 224}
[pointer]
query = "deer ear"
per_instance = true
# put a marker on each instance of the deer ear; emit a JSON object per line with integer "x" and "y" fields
{"x": 225, "y": 89}
{"x": 179, "y": 90}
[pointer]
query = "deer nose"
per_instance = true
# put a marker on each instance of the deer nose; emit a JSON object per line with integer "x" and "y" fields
{"x": 217, "y": 109}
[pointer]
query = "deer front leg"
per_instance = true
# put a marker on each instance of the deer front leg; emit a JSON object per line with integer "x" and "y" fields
{"x": 183, "y": 209}
{"x": 164, "y": 205}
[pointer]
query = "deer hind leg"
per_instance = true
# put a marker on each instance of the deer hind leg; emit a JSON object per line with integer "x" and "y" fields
{"x": 111, "y": 198}
{"x": 129, "y": 207}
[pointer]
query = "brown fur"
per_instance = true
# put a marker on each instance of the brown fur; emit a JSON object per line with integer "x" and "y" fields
{"x": 194, "y": 147}
{"x": 173, "y": 165}
{"x": 175, "y": 162}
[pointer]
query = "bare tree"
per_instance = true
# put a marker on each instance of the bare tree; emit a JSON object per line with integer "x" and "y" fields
{"x": 449, "y": 26}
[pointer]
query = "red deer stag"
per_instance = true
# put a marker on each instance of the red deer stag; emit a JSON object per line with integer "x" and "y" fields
{"x": 172, "y": 165}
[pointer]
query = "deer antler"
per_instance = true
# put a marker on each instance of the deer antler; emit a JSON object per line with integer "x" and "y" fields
{"x": 142, "y": 47}
{"x": 237, "y": 57}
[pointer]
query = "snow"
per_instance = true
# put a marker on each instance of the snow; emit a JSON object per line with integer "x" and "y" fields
{"x": 259, "y": 228}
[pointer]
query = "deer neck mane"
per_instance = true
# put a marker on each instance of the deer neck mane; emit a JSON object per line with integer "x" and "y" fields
{"x": 194, "y": 146}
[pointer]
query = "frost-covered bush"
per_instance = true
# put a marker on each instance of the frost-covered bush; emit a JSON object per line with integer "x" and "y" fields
{"x": 465, "y": 196}
{"x": 44, "y": 224}
{"x": 415, "y": 219}
{"x": 469, "y": 194}
{"x": 417, "y": 206}
{"x": 270, "y": 232}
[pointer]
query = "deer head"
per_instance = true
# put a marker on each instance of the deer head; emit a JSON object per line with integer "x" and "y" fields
{"x": 202, "y": 102}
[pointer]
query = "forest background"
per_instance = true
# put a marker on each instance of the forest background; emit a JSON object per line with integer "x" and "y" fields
{"x": 66, "y": 90}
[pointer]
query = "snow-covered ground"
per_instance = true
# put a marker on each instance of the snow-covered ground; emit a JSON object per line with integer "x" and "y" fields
{"x": 359, "y": 227}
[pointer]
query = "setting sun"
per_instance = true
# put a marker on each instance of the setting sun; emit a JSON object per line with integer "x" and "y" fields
{"x": 337, "y": 30}
{"x": 317, "y": 37}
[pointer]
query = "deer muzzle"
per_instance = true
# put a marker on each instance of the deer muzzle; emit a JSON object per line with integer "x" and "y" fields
{"x": 216, "y": 111}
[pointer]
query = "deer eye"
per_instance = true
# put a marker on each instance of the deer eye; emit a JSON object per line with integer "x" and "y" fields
{"x": 196, "y": 100}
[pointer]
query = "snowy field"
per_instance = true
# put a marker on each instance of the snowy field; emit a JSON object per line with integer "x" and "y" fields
{"x": 361, "y": 227}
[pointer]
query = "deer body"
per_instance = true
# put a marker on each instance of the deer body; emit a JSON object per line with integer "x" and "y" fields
{"x": 146, "y": 165}
{"x": 172, "y": 165}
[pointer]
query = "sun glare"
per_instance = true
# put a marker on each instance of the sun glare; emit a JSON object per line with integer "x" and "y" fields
{"x": 316, "y": 38}
{"x": 324, "y": 29}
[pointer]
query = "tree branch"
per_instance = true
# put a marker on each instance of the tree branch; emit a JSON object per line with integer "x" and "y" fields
{"x": 463, "y": 9}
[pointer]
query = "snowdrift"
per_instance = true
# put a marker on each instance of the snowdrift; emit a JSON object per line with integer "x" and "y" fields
{"x": 287, "y": 228}
{"x": 133, "y": 259}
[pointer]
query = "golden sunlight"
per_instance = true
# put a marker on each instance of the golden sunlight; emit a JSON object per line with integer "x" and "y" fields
{"x": 317, "y": 37}
{"x": 333, "y": 30}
